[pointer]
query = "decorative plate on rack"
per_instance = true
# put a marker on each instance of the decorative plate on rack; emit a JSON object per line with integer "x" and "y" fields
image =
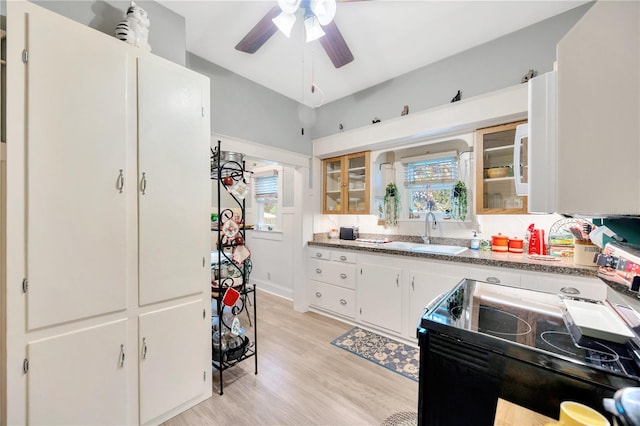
{"x": 563, "y": 226}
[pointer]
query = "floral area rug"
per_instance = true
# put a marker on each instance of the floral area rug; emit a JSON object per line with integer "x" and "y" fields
{"x": 396, "y": 356}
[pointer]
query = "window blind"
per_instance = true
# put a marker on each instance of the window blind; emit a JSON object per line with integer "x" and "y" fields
{"x": 266, "y": 187}
{"x": 431, "y": 172}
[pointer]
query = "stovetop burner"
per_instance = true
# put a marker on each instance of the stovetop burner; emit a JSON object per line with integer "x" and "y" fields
{"x": 504, "y": 323}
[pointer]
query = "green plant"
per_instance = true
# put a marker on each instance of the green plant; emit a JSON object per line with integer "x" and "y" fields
{"x": 391, "y": 204}
{"x": 459, "y": 201}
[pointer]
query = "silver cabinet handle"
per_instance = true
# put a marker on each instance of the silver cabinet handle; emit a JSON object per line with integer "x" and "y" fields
{"x": 398, "y": 280}
{"x": 318, "y": 271}
{"x": 343, "y": 302}
{"x": 413, "y": 283}
{"x": 121, "y": 181}
{"x": 318, "y": 294}
{"x": 121, "y": 355}
{"x": 318, "y": 254}
{"x": 144, "y": 348}
{"x": 343, "y": 258}
{"x": 343, "y": 276}
{"x": 570, "y": 290}
{"x": 493, "y": 280}
{"x": 143, "y": 183}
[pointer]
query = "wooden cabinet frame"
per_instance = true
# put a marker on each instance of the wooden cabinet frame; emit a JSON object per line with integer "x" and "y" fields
{"x": 347, "y": 185}
{"x": 479, "y": 148}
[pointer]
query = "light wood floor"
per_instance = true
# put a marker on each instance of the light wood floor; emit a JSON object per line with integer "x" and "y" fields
{"x": 302, "y": 379}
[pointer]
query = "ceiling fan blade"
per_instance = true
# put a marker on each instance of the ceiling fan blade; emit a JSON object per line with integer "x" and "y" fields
{"x": 260, "y": 33}
{"x": 335, "y": 46}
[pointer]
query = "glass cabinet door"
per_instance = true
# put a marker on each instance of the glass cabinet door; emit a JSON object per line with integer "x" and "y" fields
{"x": 496, "y": 190}
{"x": 357, "y": 183}
{"x": 332, "y": 185}
{"x": 346, "y": 184}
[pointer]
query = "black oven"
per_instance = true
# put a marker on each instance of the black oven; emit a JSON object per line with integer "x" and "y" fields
{"x": 483, "y": 341}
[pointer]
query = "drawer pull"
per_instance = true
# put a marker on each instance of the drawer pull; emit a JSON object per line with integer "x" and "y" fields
{"x": 343, "y": 258}
{"x": 318, "y": 294}
{"x": 343, "y": 276}
{"x": 343, "y": 302}
{"x": 318, "y": 271}
{"x": 493, "y": 280}
{"x": 570, "y": 290}
{"x": 318, "y": 254}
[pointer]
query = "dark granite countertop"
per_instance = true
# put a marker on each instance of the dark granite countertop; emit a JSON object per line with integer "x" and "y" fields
{"x": 519, "y": 261}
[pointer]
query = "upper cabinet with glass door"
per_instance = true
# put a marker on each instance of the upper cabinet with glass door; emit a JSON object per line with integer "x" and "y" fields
{"x": 346, "y": 184}
{"x": 495, "y": 182}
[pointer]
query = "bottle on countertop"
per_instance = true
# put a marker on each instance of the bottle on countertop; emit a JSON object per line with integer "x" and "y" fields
{"x": 475, "y": 241}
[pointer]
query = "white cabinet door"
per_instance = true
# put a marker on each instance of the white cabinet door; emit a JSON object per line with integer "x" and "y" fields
{"x": 173, "y": 358}
{"x": 380, "y": 296}
{"x": 424, "y": 287}
{"x": 79, "y": 378}
{"x": 174, "y": 180}
{"x": 598, "y": 110}
{"x": 80, "y": 112}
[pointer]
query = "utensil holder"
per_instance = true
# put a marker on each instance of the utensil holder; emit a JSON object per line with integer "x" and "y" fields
{"x": 584, "y": 253}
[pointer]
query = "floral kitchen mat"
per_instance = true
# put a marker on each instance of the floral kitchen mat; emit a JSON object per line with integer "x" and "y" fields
{"x": 395, "y": 356}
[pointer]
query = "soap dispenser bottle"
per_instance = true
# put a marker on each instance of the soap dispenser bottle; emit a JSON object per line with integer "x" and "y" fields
{"x": 475, "y": 241}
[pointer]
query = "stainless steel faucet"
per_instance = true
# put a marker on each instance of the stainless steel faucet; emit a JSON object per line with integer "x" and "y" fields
{"x": 427, "y": 232}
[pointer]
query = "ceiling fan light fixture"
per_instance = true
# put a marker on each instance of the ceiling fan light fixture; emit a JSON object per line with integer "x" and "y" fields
{"x": 325, "y": 10}
{"x": 289, "y": 6}
{"x": 285, "y": 22}
{"x": 312, "y": 28}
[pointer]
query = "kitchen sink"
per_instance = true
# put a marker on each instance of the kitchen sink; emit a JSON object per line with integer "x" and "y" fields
{"x": 400, "y": 245}
{"x": 424, "y": 248}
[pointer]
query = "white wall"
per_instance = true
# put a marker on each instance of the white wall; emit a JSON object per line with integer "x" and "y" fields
{"x": 488, "y": 225}
{"x": 491, "y": 66}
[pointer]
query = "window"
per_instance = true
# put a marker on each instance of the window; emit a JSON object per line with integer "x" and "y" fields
{"x": 268, "y": 204}
{"x": 430, "y": 181}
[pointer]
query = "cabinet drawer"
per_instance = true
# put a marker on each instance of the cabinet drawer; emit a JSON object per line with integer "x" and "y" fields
{"x": 319, "y": 253}
{"x": 589, "y": 288}
{"x": 343, "y": 256}
{"x": 343, "y": 275}
{"x": 495, "y": 275}
{"x": 332, "y": 298}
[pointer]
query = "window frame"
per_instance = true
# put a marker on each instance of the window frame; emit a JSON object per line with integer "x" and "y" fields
{"x": 259, "y": 205}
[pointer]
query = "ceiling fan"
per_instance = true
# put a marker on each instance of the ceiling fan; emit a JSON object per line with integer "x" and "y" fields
{"x": 318, "y": 21}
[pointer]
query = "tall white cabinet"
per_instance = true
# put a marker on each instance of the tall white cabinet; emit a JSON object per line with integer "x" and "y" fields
{"x": 598, "y": 112}
{"x": 106, "y": 292}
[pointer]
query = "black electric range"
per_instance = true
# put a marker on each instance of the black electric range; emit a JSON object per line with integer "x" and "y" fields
{"x": 484, "y": 341}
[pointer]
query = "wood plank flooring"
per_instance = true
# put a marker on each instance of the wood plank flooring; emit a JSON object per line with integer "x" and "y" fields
{"x": 302, "y": 379}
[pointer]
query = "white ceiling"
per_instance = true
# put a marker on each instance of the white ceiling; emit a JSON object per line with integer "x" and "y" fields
{"x": 387, "y": 38}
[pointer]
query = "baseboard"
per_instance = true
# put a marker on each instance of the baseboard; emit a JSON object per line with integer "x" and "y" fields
{"x": 273, "y": 288}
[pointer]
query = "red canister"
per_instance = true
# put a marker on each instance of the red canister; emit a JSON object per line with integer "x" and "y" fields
{"x": 500, "y": 243}
{"x": 516, "y": 245}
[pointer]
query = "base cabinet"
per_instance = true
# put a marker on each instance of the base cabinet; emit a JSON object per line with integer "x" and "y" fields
{"x": 171, "y": 342}
{"x": 332, "y": 285}
{"x": 380, "y": 296}
{"x": 67, "y": 373}
{"x": 424, "y": 287}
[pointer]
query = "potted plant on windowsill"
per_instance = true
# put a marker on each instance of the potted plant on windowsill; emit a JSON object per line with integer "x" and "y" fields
{"x": 391, "y": 205}
{"x": 459, "y": 201}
